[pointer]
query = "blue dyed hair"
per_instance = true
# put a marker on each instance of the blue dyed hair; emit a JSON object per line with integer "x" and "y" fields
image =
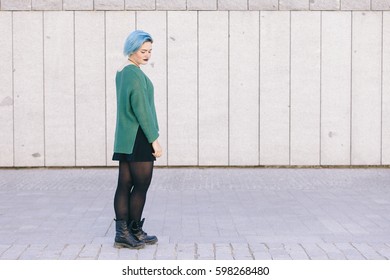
{"x": 135, "y": 40}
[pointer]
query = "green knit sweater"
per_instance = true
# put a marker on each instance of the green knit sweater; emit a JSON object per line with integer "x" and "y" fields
{"x": 135, "y": 108}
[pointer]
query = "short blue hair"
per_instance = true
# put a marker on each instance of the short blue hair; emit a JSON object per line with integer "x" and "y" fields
{"x": 135, "y": 40}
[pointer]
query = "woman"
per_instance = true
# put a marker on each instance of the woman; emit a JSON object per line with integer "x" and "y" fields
{"x": 136, "y": 144}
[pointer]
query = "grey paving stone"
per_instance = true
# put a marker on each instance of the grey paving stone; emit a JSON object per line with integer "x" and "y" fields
{"x": 52, "y": 252}
{"x": 225, "y": 213}
{"x": 350, "y": 252}
{"x": 33, "y": 252}
{"x": 313, "y": 251}
{"x": 4, "y": 248}
{"x": 367, "y": 251}
{"x": 148, "y": 253}
{"x": 382, "y": 248}
{"x": 71, "y": 251}
{"x": 108, "y": 249}
{"x": 205, "y": 251}
{"x": 332, "y": 252}
{"x": 128, "y": 254}
{"x": 90, "y": 252}
{"x": 241, "y": 251}
{"x": 296, "y": 251}
{"x": 223, "y": 251}
{"x": 166, "y": 251}
{"x": 186, "y": 251}
{"x": 14, "y": 252}
{"x": 278, "y": 251}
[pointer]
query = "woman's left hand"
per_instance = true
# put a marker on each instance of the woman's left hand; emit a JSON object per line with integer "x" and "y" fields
{"x": 157, "y": 149}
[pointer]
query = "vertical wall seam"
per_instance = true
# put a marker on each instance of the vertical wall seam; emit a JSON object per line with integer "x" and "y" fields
{"x": 13, "y": 88}
{"x": 197, "y": 84}
{"x": 74, "y": 89}
{"x": 351, "y": 96}
{"x": 290, "y": 120}
{"x": 320, "y": 147}
{"x": 259, "y": 94}
{"x": 382, "y": 47}
{"x": 43, "y": 89}
{"x": 167, "y": 83}
{"x": 135, "y": 20}
{"x": 105, "y": 86}
{"x": 228, "y": 78}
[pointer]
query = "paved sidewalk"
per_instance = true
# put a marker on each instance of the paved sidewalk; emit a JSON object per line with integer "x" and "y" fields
{"x": 200, "y": 213}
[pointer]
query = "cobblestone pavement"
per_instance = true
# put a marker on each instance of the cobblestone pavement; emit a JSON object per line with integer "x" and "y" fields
{"x": 200, "y": 213}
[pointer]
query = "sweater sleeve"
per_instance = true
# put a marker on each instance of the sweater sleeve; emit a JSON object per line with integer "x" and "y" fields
{"x": 143, "y": 109}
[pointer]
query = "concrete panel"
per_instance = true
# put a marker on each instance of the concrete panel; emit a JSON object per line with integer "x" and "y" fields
{"x": 265, "y": 5}
{"x": 109, "y": 5}
{"x": 171, "y": 4}
{"x": 234, "y": 5}
{"x": 118, "y": 27}
{"x": 182, "y": 89}
{"x": 15, "y": 5}
{"x": 28, "y": 89}
{"x": 54, "y": 5}
{"x": 244, "y": 88}
{"x": 213, "y": 88}
{"x": 366, "y": 87}
{"x": 305, "y": 88}
{"x": 380, "y": 5}
{"x": 59, "y": 88}
{"x": 77, "y": 5}
{"x": 156, "y": 69}
{"x": 90, "y": 89}
{"x": 386, "y": 90}
{"x": 356, "y": 5}
{"x": 322, "y": 5}
{"x": 202, "y": 5}
{"x": 275, "y": 88}
{"x": 298, "y": 5}
{"x": 140, "y": 4}
{"x": 336, "y": 88}
{"x": 6, "y": 92}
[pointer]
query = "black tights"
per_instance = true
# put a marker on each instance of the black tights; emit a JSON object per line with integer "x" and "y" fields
{"x": 133, "y": 183}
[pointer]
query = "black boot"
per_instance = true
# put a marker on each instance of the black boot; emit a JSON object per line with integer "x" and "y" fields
{"x": 136, "y": 229}
{"x": 124, "y": 238}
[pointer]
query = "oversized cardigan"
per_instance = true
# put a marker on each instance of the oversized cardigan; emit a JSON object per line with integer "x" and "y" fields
{"x": 135, "y": 108}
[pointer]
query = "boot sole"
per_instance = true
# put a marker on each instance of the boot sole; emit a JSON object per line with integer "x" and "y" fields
{"x": 124, "y": 245}
{"x": 151, "y": 242}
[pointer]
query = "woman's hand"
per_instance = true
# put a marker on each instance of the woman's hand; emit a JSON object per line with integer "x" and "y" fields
{"x": 157, "y": 149}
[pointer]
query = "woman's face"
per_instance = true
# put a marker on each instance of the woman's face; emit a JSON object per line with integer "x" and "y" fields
{"x": 143, "y": 54}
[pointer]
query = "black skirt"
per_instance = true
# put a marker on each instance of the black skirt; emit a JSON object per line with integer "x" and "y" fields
{"x": 142, "y": 150}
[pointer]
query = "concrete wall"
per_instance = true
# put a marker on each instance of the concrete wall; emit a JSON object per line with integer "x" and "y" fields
{"x": 236, "y": 82}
